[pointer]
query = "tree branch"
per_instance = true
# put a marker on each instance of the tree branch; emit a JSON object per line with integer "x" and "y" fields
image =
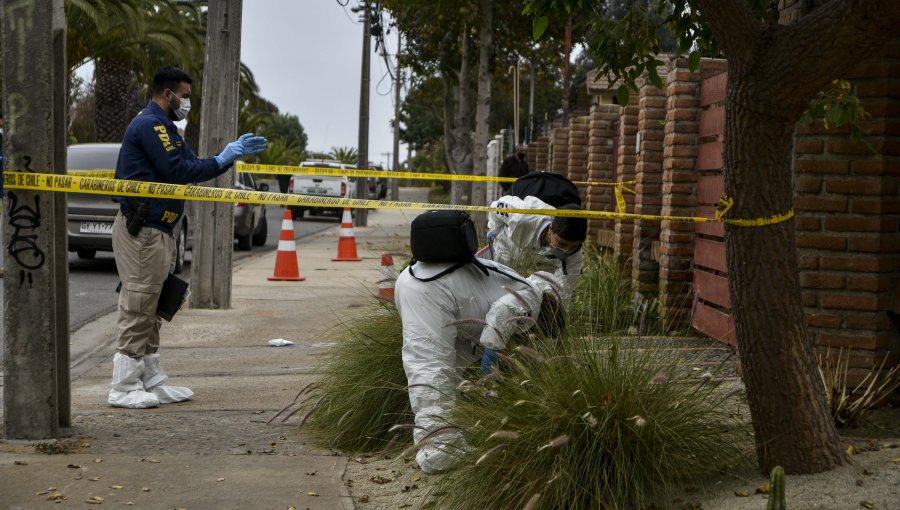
{"x": 828, "y": 43}
{"x": 733, "y": 25}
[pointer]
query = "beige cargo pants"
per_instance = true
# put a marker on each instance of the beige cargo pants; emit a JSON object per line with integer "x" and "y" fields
{"x": 143, "y": 263}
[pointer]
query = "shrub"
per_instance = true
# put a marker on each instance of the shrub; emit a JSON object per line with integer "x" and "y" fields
{"x": 850, "y": 404}
{"x": 588, "y": 424}
{"x": 362, "y": 392}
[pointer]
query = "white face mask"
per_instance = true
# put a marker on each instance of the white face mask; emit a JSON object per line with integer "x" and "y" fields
{"x": 184, "y": 108}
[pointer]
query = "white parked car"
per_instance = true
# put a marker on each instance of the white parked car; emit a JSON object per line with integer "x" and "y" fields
{"x": 321, "y": 186}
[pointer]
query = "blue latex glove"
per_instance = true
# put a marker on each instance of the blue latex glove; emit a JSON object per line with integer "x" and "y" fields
{"x": 488, "y": 361}
{"x": 246, "y": 144}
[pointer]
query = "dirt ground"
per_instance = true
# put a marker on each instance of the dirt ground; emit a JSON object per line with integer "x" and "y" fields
{"x": 872, "y": 481}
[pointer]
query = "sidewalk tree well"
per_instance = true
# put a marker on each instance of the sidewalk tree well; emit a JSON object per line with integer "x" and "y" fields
{"x": 774, "y": 71}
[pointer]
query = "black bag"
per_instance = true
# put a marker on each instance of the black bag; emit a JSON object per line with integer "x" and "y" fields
{"x": 553, "y": 189}
{"x": 444, "y": 236}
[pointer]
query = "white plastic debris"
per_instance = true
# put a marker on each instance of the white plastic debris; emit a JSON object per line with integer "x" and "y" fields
{"x": 279, "y": 342}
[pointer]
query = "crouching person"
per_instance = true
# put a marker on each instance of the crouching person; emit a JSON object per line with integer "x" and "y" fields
{"x": 449, "y": 301}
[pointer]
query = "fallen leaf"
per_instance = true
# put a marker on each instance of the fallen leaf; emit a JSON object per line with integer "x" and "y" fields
{"x": 130, "y": 503}
{"x": 98, "y": 461}
{"x": 896, "y": 461}
{"x": 380, "y": 480}
{"x": 311, "y": 493}
{"x": 851, "y": 450}
{"x": 145, "y": 489}
{"x": 416, "y": 478}
{"x": 763, "y": 489}
{"x": 868, "y": 472}
{"x": 742, "y": 493}
{"x": 40, "y": 493}
{"x": 56, "y": 496}
{"x": 74, "y": 466}
{"x": 153, "y": 461}
{"x": 51, "y": 489}
{"x": 79, "y": 477}
{"x": 364, "y": 499}
{"x": 117, "y": 487}
{"x": 94, "y": 478}
{"x": 220, "y": 479}
{"x": 20, "y": 463}
{"x": 311, "y": 473}
{"x": 96, "y": 500}
{"x": 867, "y": 503}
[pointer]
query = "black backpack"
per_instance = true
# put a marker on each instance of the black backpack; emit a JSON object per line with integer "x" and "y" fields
{"x": 553, "y": 189}
{"x": 444, "y": 236}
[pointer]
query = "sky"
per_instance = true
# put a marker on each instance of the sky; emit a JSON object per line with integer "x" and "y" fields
{"x": 306, "y": 56}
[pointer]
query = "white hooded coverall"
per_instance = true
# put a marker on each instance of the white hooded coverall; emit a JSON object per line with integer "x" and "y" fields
{"x": 434, "y": 347}
{"x": 515, "y": 232}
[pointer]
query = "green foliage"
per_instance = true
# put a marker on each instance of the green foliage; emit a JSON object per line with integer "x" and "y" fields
{"x": 362, "y": 392}
{"x": 602, "y": 302}
{"x": 588, "y": 423}
{"x": 837, "y": 106}
{"x": 776, "y": 489}
{"x": 347, "y": 155}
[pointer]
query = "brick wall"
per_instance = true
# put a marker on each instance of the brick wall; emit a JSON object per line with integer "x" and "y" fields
{"x": 648, "y": 173}
{"x": 559, "y": 149}
{"x": 626, "y": 159}
{"x": 602, "y": 168}
{"x": 578, "y": 152}
{"x": 848, "y": 213}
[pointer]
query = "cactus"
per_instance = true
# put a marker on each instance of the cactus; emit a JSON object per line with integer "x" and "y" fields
{"x": 776, "y": 489}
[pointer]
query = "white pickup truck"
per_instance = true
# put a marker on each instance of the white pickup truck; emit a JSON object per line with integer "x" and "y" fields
{"x": 321, "y": 186}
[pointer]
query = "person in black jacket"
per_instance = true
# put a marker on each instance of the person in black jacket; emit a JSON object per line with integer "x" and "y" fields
{"x": 514, "y": 166}
{"x": 154, "y": 151}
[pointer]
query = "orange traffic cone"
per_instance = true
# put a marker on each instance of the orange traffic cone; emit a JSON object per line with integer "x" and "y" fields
{"x": 386, "y": 283}
{"x": 347, "y": 242}
{"x": 286, "y": 267}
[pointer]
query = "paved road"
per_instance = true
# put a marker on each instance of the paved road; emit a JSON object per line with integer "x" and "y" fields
{"x": 92, "y": 282}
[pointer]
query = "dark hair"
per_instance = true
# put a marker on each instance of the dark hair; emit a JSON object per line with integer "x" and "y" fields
{"x": 168, "y": 77}
{"x": 551, "y": 320}
{"x": 570, "y": 229}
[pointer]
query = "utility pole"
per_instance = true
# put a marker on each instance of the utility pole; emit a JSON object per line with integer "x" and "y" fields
{"x": 362, "y": 149}
{"x": 35, "y": 286}
{"x": 213, "y": 248}
{"x": 565, "y": 103}
{"x": 516, "y": 105}
{"x": 395, "y": 165}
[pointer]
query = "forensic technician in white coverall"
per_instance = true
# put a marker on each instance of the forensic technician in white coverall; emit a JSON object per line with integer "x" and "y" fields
{"x": 556, "y": 240}
{"x": 437, "y": 338}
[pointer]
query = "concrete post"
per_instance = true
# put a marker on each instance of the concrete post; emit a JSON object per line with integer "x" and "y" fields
{"x": 31, "y": 386}
{"x": 214, "y": 233}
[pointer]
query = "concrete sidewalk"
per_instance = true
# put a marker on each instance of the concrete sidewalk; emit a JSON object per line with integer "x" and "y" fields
{"x": 216, "y": 451}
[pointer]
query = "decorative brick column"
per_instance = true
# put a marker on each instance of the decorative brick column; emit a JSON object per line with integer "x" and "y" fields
{"x": 648, "y": 173}
{"x": 626, "y": 159}
{"x": 578, "y": 152}
{"x": 559, "y": 148}
{"x": 848, "y": 213}
{"x": 602, "y": 168}
{"x": 679, "y": 187}
{"x": 537, "y": 154}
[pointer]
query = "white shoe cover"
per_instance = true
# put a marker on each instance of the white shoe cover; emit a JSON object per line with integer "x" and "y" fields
{"x": 127, "y": 390}
{"x": 154, "y": 380}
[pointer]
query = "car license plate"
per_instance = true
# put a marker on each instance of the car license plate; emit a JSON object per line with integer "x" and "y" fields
{"x": 315, "y": 190}
{"x": 96, "y": 227}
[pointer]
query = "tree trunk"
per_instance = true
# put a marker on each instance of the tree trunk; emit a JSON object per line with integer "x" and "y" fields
{"x": 793, "y": 426}
{"x": 482, "y": 114}
{"x": 461, "y": 151}
{"x": 449, "y": 116}
{"x": 114, "y": 79}
{"x": 773, "y": 72}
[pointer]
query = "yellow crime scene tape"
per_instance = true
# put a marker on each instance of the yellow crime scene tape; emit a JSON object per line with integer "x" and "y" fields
{"x": 119, "y": 187}
{"x": 379, "y": 174}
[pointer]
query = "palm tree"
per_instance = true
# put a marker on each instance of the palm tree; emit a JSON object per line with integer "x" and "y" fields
{"x": 346, "y": 155}
{"x": 129, "y": 40}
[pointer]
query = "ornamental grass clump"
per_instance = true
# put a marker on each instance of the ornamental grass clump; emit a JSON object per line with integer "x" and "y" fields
{"x": 362, "y": 392}
{"x": 603, "y": 302}
{"x": 588, "y": 424}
